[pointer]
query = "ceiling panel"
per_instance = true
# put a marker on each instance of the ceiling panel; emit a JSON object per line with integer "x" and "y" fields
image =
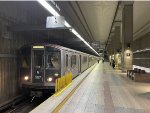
{"x": 141, "y": 18}
{"x": 99, "y": 16}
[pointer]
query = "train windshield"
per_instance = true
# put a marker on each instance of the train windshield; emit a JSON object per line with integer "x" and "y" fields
{"x": 38, "y": 58}
{"x": 53, "y": 60}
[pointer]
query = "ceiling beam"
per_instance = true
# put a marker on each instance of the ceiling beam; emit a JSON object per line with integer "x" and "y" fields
{"x": 32, "y": 28}
{"x": 112, "y": 23}
{"x": 77, "y": 15}
{"x": 64, "y": 41}
{"x": 118, "y": 21}
{"x": 77, "y": 45}
{"x": 85, "y": 20}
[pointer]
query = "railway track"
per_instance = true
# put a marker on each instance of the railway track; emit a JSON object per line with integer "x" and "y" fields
{"x": 9, "y": 106}
{"x": 22, "y": 106}
{"x": 19, "y": 107}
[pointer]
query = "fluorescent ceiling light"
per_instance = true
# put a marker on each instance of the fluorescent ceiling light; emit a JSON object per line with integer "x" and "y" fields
{"x": 76, "y": 33}
{"x": 48, "y": 7}
{"x": 55, "y": 13}
{"x": 79, "y": 36}
{"x": 67, "y": 24}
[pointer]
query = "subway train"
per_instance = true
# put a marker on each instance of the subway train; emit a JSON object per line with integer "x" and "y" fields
{"x": 41, "y": 64}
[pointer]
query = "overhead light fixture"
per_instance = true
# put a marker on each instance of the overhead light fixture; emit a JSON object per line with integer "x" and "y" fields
{"x": 67, "y": 24}
{"x": 48, "y": 7}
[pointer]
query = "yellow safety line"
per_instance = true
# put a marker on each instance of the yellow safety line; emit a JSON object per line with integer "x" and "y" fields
{"x": 68, "y": 96}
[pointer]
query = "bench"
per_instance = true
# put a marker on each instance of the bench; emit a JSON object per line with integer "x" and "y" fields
{"x": 136, "y": 71}
{"x": 138, "y": 75}
{"x": 141, "y": 77}
{"x": 131, "y": 72}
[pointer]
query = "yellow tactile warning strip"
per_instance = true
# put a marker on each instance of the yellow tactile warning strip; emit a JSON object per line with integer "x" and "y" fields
{"x": 56, "y": 110}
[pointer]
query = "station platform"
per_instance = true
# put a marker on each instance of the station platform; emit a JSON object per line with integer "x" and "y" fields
{"x": 103, "y": 90}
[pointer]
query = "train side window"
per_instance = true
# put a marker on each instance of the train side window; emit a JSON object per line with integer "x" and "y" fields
{"x": 66, "y": 60}
{"x": 90, "y": 59}
{"x": 84, "y": 59}
{"x": 73, "y": 60}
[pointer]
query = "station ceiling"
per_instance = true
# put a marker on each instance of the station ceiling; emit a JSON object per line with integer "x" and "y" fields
{"x": 92, "y": 20}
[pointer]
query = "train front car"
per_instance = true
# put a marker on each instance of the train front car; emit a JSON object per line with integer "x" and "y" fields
{"x": 40, "y": 67}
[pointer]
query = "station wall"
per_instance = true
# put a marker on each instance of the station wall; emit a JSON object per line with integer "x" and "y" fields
{"x": 21, "y": 13}
{"x": 10, "y": 42}
{"x": 142, "y": 58}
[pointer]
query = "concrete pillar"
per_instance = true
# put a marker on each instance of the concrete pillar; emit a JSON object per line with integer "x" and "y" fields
{"x": 117, "y": 38}
{"x": 127, "y": 35}
{"x": 109, "y": 49}
{"x": 117, "y": 47}
{"x": 113, "y": 41}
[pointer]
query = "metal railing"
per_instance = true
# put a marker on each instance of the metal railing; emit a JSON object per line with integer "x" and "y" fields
{"x": 63, "y": 81}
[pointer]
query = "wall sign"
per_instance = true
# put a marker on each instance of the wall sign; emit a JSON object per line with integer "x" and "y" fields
{"x": 127, "y": 54}
{"x": 55, "y": 22}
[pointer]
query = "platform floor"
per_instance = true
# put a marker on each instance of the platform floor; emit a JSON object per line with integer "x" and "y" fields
{"x": 109, "y": 91}
{"x": 49, "y": 105}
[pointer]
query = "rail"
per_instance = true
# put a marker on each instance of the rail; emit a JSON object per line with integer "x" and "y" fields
{"x": 63, "y": 82}
{"x": 12, "y": 103}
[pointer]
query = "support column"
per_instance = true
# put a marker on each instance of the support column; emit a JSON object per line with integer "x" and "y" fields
{"x": 117, "y": 46}
{"x": 127, "y": 36}
{"x": 113, "y": 41}
{"x": 109, "y": 51}
{"x": 111, "y": 48}
{"x": 117, "y": 37}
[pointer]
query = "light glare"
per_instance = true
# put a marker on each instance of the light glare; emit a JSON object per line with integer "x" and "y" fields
{"x": 56, "y": 74}
{"x": 49, "y": 79}
{"x": 26, "y": 78}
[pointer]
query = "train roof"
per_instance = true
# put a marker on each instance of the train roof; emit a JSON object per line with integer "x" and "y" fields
{"x": 65, "y": 48}
{"x": 55, "y": 46}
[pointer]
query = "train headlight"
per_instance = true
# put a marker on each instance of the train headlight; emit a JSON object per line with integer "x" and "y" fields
{"x": 49, "y": 79}
{"x": 56, "y": 74}
{"x": 26, "y": 78}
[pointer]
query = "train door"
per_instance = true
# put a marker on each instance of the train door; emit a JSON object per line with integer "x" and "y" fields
{"x": 66, "y": 63}
{"x": 79, "y": 67}
{"x": 37, "y": 66}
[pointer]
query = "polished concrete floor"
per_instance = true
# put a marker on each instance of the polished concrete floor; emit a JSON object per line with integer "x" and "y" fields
{"x": 109, "y": 91}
